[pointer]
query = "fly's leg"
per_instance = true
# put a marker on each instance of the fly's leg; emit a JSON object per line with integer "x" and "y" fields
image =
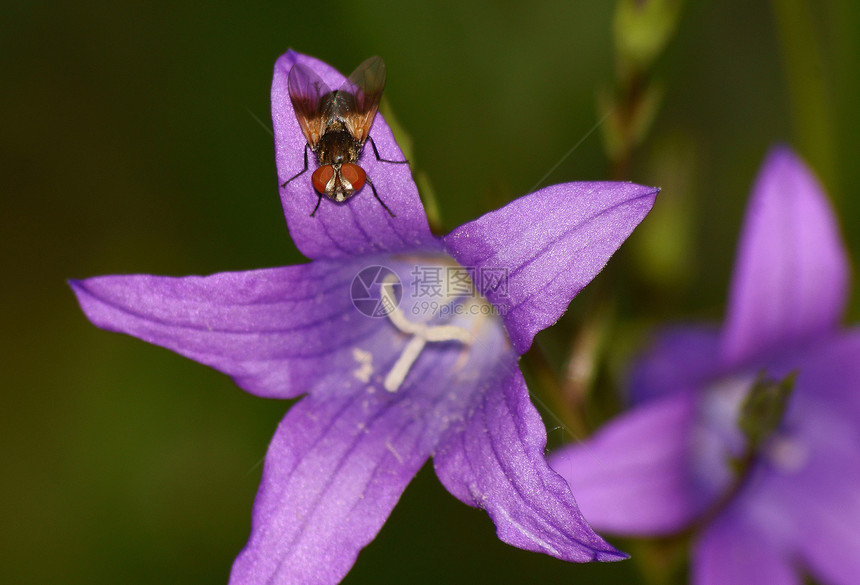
{"x": 375, "y": 194}
{"x": 303, "y": 171}
{"x": 320, "y": 201}
{"x": 380, "y": 159}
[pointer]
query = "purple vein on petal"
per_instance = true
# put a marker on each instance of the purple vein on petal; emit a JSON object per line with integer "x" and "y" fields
{"x": 81, "y": 285}
{"x": 524, "y": 497}
{"x": 346, "y": 455}
{"x": 566, "y": 235}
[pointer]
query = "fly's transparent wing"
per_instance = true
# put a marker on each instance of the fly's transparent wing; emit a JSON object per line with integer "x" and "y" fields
{"x": 364, "y": 87}
{"x": 306, "y": 90}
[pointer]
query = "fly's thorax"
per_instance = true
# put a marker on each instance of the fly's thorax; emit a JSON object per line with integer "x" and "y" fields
{"x": 337, "y": 146}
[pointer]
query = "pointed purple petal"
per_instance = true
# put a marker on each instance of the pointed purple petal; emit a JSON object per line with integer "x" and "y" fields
{"x": 730, "y": 552}
{"x": 360, "y": 225}
{"x": 335, "y": 469}
{"x": 497, "y": 463}
{"x": 791, "y": 274}
{"x": 550, "y": 244}
{"x": 633, "y": 477}
{"x": 277, "y": 331}
{"x": 679, "y": 360}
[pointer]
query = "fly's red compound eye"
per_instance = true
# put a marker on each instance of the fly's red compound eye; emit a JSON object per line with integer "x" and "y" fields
{"x": 354, "y": 174}
{"x": 321, "y": 178}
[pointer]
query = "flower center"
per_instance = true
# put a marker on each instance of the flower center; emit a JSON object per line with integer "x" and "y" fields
{"x": 732, "y": 435}
{"x": 421, "y": 335}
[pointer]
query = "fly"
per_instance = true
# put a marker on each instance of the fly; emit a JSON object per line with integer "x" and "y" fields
{"x": 336, "y": 125}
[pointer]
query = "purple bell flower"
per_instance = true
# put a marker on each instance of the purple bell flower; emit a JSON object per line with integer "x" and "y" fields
{"x": 404, "y": 345}
{"x": 665, "y": 466}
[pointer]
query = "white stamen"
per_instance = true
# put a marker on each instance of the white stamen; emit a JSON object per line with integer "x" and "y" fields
{"x": 401, "y": 367}
{"x": 448, "y": 333}
{"x": 421, "y": 335}
{"x": 398, "y": 318}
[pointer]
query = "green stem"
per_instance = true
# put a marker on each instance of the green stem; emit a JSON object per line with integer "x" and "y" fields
{"x": 628, "y": 106}
{"x": 809, "y": 86}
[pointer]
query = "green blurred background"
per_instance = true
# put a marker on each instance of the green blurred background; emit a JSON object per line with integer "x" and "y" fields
{"x": 132, "y": 142}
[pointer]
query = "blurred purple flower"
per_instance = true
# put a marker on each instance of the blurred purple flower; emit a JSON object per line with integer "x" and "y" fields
{"x": 435, "y": 376}
{"x": 665, "y": 464}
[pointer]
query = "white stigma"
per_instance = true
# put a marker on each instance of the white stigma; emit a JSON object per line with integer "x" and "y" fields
{"x": 404, "y": 363}
{"x": 421, "y": 335}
